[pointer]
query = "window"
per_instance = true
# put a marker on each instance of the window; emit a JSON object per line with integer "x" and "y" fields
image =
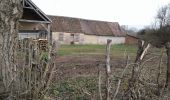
{"x": 72, "y": 35}
{"x": 61, "y": 37}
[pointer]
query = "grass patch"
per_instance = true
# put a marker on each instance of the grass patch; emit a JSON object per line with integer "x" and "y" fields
{"x": 75, "y": 89}
{"x": 116, "y": 50}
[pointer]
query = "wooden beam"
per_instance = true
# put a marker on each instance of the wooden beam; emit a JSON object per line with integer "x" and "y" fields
{"x": 29, "y": 8}
{"x": 49, "y": 34}
{"x": 33, "y": 21}
{"x": 45, "y": 27}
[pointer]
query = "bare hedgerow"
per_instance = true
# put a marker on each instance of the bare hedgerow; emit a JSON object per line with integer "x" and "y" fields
{"x": 34, "y": 72}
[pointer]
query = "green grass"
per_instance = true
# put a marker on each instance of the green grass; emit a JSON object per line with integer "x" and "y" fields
{"x": 74, "y": 89}
{"x": 116, "y": 50}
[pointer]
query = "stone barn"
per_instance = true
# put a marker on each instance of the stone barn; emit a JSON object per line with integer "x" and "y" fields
{"x": 67, "y": 30}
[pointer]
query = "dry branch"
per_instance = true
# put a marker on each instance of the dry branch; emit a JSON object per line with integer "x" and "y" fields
{"x": 119, "y": 82}
{"x": 99, "y": 81}
{"x": 142, "y": 51}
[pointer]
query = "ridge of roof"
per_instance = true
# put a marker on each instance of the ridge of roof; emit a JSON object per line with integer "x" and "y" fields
{"x": 90, "y": 27}
{"x": 80, "y": 18}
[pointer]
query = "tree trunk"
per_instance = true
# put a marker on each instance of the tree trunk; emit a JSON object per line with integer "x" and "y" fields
{"x": 10, "y": 13}
{"x": 168, "y": 65}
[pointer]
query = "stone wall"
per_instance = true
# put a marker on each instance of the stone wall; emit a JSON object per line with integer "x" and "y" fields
{"x": 86, "y": 39}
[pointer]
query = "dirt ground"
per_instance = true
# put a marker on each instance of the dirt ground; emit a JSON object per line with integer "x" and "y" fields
{"x": 73, "y": 70}
{"x": 75, "y": 66}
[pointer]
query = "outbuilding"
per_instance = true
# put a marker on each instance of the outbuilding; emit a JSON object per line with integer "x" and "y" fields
{"x": 67, "y": 30}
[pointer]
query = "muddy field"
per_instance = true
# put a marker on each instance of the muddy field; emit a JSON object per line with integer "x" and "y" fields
{"x": 76, "y": 76}
{"x": 75, "y": 66}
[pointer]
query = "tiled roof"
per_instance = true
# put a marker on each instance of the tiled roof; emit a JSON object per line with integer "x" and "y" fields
{"x": 91, "y": 27}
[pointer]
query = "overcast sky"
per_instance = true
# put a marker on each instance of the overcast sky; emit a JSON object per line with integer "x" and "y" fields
{"x": 126, "y": 12}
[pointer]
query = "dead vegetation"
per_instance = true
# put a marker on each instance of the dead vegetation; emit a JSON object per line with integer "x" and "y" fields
{"x": 84, "y": 76}
{"x": 33, "y": 73}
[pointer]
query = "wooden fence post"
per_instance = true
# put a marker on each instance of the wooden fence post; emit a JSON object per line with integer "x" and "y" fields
{"x": 168, "y": 65}
{"x": 28, "y": 51}
{"x": 108, "y": 69}
{"x": 100, "y": 80}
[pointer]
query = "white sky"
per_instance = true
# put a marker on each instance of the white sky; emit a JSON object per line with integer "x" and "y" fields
{"x": 126, "y": 12}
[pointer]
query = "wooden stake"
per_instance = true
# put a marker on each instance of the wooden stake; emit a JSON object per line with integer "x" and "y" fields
{"x": 108, "y": 69}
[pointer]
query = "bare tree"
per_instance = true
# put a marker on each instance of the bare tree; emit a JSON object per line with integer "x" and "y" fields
{"x": 159, "y": 36}
{"x": 163, "y": 16}
{"x": 163, "y": 34}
